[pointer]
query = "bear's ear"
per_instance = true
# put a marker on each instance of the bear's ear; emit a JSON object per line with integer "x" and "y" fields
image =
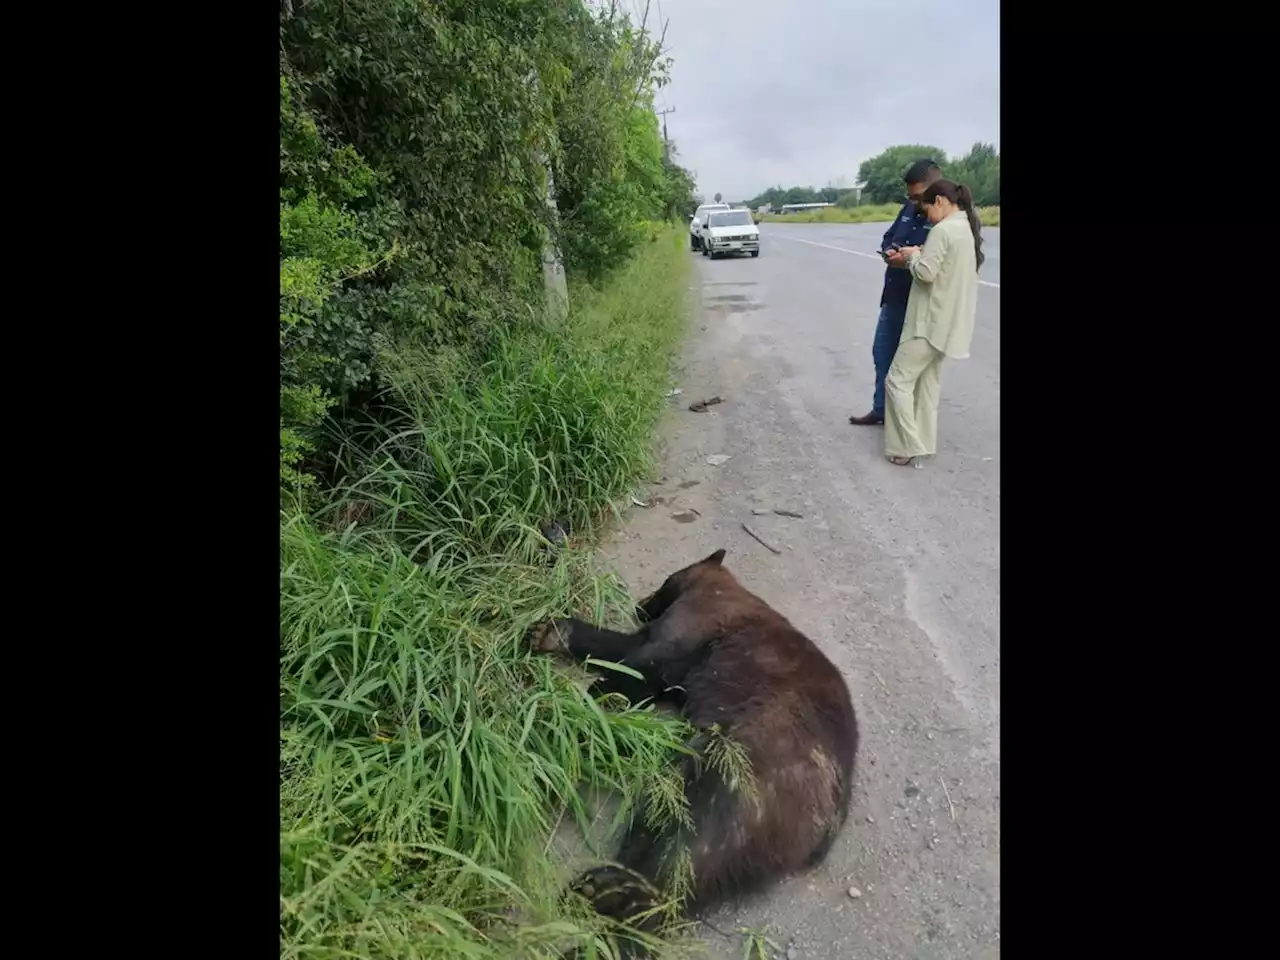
{"x": 716, "y": 558}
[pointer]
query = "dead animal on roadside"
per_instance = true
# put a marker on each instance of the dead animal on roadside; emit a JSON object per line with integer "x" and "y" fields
{"x": 701, "y": 405}
{"x": 749, "y": 682}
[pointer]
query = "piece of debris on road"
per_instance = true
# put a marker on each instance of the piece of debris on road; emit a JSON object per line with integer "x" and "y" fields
{"x": 701, "y": 405}
{"x": 674, "y": 393}
{"x": 719, "y": 459}
{"x": 685, "y": 516}
{"x": 760, "y": 539}
{"x": 855, "y": 893}
{"x": 766, "y": 511}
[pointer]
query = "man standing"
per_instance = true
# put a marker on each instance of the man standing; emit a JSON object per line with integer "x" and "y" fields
{"x": 910, "y": 229}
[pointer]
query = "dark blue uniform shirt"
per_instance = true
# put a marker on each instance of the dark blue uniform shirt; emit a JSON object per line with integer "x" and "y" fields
{"x": 910, "y": 229}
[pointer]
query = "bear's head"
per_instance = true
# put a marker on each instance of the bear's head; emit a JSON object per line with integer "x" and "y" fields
{"x": 676, "y": 585}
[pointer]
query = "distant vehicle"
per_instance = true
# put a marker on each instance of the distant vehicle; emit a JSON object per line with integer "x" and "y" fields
{"x": 730, "y": 231}
{"x": 695, "y": 225}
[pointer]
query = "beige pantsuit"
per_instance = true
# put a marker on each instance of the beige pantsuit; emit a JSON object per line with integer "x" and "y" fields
{"x": 938, "y": 325}
{"x": 911, "y": 400}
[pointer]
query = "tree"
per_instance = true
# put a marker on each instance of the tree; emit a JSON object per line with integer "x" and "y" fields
{"x": 881, "y": 178}
{"x": 882, "y": 175}
{"x": 609, "y": 175}
{"x": 679, "y": 199}
{"x": 980, "y": 170}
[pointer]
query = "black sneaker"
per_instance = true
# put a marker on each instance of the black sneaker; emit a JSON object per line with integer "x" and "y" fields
{"x": 871, "y": 419}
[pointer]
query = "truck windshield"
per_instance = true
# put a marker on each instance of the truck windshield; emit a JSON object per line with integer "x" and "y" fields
{"x": 731, "y": 218}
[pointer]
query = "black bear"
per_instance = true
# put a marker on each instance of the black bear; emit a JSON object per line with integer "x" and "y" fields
{"x": 739, "y": 668}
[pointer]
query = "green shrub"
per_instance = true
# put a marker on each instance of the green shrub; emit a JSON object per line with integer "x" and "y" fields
{"x": 413, "y": 182}
{"x": 322, "y": 245}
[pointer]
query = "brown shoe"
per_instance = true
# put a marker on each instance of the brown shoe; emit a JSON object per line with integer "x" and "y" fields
{"x": 868, "y": 420}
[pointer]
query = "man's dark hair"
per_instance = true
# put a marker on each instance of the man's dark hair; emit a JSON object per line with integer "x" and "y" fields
{"x": 921, "y": 170}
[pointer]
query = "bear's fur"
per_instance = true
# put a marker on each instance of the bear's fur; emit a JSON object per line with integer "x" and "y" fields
{"x": 738, "y": 667}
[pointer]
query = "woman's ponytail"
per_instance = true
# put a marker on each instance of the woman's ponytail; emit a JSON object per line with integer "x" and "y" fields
{"x": 962, "y": 197}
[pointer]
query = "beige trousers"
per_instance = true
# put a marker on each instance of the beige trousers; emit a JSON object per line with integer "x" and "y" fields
{"x": 911, "y": 400}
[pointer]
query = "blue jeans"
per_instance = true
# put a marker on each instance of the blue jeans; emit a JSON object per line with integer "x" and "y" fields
{"x": 884, "y": 346}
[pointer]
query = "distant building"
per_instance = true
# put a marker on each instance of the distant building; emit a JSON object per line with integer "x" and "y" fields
{"x": 797, "y": 207}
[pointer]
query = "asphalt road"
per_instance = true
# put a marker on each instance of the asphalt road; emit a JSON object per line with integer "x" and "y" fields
{"x": 894, "y": 571}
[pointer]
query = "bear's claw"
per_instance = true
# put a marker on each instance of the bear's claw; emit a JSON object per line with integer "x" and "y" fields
{"x": 549, "y": 636}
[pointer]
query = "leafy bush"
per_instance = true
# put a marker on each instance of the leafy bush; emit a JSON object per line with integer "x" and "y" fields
{"x": 322, "y": 244}
{"x": 415, "y": 143}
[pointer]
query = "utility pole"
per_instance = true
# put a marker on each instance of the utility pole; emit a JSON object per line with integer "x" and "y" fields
{"x": 554, "y": 284}
{"x": 666, "y": 143}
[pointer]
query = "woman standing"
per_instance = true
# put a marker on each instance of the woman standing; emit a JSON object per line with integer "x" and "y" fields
{"x": 939, "y": 323}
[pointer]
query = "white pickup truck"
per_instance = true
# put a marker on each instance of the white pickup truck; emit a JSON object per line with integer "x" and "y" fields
{"x": 730, "y": 231}
{"x": 699, "y": 218}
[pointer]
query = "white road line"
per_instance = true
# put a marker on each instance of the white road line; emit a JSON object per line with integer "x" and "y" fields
{"x": 859, "y": 253}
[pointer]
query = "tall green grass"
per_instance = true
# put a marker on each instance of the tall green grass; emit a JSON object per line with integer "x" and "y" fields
{"x": 871, "y": 213}
{"x": 425, "y": 754}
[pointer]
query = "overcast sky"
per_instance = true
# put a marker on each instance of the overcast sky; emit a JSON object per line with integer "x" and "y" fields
{"x": 802, "y": 91}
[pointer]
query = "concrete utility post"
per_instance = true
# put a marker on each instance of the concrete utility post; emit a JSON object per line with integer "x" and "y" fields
{"x": 554, "y": 283}
{"x": 555, "y": 287}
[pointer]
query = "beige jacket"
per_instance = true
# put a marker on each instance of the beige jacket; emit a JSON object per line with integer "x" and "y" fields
{"x": 944, "y": 288}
